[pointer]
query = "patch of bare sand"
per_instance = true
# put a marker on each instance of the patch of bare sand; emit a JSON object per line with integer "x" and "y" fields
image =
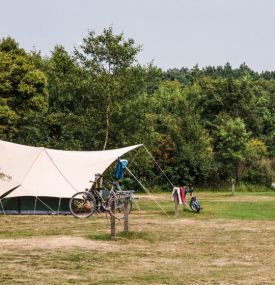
{"x": 65, "y": 243}
{"x": 56, "y": 242}
{"x": 221, "y": 223}
{"x": 151, "y": 197}
{"x": 182, "y": 227}
{"x": 220, "y": 262}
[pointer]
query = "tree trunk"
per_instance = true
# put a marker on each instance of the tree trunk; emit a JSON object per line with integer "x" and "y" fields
{"x": 237, "y": 172}
{"x": 107, "y": 127}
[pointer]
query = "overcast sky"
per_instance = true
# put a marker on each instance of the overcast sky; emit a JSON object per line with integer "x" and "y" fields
{"x": 174, "y": 33}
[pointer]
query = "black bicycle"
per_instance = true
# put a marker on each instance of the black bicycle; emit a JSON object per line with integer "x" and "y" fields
{"x": 86, "y": 203}
{"x": 194, "y": 203}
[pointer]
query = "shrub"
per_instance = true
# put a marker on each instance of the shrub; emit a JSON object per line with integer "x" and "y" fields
{"x": 259, "y": 173}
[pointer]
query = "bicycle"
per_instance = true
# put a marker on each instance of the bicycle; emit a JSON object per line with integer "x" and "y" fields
{"x": 194, "y": 203}
{"x": 85, "y": 203}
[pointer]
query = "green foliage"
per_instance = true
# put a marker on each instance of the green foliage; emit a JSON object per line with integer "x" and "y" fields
{"x": 69, "y": 103}
{"x": 259, "y": 172}
{"x": 231, "y": 143}
{"x": 181, "y": 146}
{"x": 232, "y": 139}
{"x": 255, "y": 150}
{"x": 23, "y": 94}
{"x": 203, "y": 126}
{"x": 107, "y": 58}
{"x": 107, "y": 52}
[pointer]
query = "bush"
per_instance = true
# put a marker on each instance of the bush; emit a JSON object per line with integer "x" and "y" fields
{"x": 259, "y": 173}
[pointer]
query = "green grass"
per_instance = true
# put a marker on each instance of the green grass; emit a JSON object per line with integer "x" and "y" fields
{"x": 269, "y": 193}
{"x": 222, "y": 205}
{"x": 246, "y": 188}
{"x": 240, "y": 210}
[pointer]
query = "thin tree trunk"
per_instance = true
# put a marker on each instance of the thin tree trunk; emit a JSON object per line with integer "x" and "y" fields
{"x": 237, "y": 172}
{"x": 107, "y": 127}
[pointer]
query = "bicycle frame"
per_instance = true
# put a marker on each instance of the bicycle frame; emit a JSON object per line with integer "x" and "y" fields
{"x": 99, "y": 198}
{"x": 113, "y": 193}
{"x": 84, "y": 203}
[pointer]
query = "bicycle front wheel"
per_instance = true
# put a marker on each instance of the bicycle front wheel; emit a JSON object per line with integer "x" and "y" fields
{"x": 116, "y": 206}
{"x": 82, "y": 205}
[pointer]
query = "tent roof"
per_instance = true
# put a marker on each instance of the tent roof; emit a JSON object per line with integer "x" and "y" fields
{"x": 53, "y": 173}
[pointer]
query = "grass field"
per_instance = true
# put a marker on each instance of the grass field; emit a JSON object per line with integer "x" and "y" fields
{"x": 232, "y": 241}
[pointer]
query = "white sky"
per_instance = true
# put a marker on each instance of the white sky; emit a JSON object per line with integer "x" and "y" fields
{"x": 174, "y": 33}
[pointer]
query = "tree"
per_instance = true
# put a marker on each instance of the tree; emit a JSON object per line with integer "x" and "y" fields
{"x": 23, "y": 94}
{"x": 234, "y": 97}
{"x": 231, "y": 144}
{"x": 70, "y": 106}
{"x": 107, "y": 57}
{"x": 183, "y": 148}
{"x": 256, "y": 168}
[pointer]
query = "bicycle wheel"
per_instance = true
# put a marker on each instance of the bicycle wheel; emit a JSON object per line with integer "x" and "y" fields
{"x": 195, "y": 206}
{"x": 82, "y": 205}
{"x": 116, "y": 206}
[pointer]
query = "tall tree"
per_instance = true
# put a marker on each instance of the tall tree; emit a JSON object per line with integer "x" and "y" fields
{"x": 23, "y": 94}
{"x": 69, "y": 103}
{"x": 107, "y": 57}
{"x": 231, "y": 145}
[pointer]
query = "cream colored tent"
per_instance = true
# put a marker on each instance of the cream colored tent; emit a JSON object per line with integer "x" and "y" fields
{"x": 42, "y": 172}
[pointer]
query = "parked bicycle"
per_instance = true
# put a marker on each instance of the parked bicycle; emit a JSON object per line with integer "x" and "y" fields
{"x": 86, "y": 203}
{"x": 194, "y": 203}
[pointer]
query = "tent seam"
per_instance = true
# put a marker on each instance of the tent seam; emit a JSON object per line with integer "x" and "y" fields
{"x": 65, "y": 178}
{"x": 31, "y": 165}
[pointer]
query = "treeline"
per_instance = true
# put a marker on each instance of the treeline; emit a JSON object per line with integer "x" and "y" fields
{"x": 203, "y": 126}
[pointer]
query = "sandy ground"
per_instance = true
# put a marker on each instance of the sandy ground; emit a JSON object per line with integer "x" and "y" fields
{"x": 63, "y": 250}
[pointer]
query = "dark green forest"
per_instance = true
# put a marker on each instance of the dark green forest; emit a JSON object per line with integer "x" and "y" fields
{"x": 203, "y": 125}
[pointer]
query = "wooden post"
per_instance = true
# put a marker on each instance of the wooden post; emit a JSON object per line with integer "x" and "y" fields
{"x": 176, "y": 202}
{"x": 2, "y": 207}
{"x": 233, "y": 186}
{"x": 34, "y": 205}
{"x": 113, "y": 224}
{"x": 59, "y": 202}
{"x": 126, "y": 216}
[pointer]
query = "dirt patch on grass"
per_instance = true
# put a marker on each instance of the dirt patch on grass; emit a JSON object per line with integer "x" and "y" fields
{"x": 55, "y": 242}
{"x": 229, "y": 262}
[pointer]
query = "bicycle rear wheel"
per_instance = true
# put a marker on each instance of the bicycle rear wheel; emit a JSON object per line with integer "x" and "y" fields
{"x": 116, "y": 206}
{"x": 82, "y": 205}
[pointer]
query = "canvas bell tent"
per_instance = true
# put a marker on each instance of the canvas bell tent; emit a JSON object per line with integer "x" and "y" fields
{"x": 41, "y": 180}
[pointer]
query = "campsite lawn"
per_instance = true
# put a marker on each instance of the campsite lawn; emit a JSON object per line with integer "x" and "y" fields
{"x": 231, "y": 242}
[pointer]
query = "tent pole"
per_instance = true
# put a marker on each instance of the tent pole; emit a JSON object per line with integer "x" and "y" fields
{"x": 35, "y": 205}
{"x": 59, "y": 202}
{"x": 2, "y": 206}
